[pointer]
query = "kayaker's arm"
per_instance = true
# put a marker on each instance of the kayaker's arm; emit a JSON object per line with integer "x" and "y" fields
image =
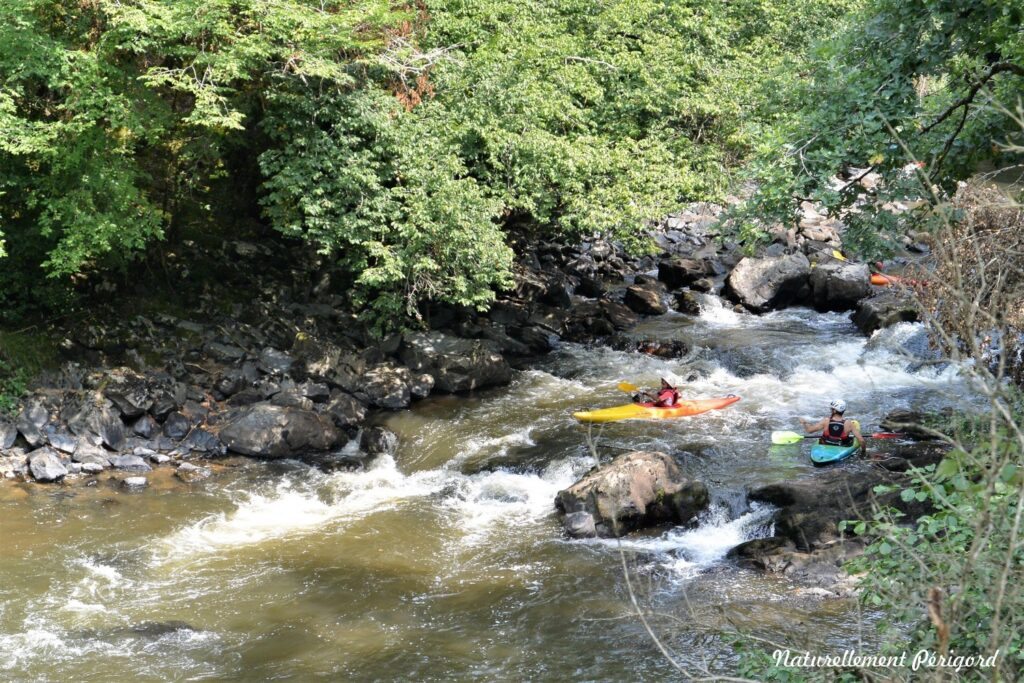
{"x": 815, "y": 427}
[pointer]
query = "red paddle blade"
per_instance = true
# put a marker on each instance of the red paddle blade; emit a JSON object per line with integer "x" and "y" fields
{"x": 886, "y": 435}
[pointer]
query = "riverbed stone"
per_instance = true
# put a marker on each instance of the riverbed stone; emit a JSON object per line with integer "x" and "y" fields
{"x": 838, "y": 286}
{"x": 268, "y": 431}
{"x": 885, "y": 309}
{"x": 378, "y": 441}
{"x": 177, "y": 426}
{"x": 455, "y": 364}
{"x": 90, "y": 415}
{"x": 644, "y": 299}
{"x": 764, "y": 284}
{"x": 346, "y": 410}
{"x": 65, "y": 443}
{"x": 46, "y": 466}
{"x": 135, "y": 483}
{"x": 8, "y": 434}
{"x": 189, "y": 473}
{"x": 387, "y": 385}
{"x": 633, "y": 491}
{"x": 91, "y": 467}
{"x": 129, "y": 463}
{"x": 681, "y": 272}
{"x": 275, "y": 362}
{"x": 145, "y": 427}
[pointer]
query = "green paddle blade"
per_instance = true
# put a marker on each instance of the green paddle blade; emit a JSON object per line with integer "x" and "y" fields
{"x": 783, "y": 438}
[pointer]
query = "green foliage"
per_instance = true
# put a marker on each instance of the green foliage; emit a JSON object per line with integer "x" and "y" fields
{"x": 900, "y": 82}
{"x": 958, "y": 567}
{"x": 22, "y": 357}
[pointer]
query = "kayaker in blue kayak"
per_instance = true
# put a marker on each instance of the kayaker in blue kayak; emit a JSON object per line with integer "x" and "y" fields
{"x": 666, "y": 397}
{"x": 835, "y": 429}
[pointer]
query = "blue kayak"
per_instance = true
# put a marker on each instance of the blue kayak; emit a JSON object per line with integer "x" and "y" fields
{"x": 824, "y": 454}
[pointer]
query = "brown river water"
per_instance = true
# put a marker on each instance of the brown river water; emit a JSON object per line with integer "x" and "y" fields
{"x": 447, "y": 562}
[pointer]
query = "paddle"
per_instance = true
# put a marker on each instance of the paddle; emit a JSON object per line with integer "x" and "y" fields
{"x": 784, "y": 438}
{"x": 628, "y": 388}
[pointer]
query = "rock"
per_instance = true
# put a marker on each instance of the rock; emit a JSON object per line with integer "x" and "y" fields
{"x": 203, "y": 441}
{"x": 838, "y": 286}
{"x": 652, "y": 347}
{"x": 86, "y": 417}
{"x": 456, "y": 364}
{"x": 275, "y": 362}
{"x": 421, "y": 385}
{"x": 8, "y": 434}
{"x": 580, "y": 525}
{"x": 128, "y": 391}
{"x": 159, "y": 458}
{"x": 763, "y": 284}
{"x": 129, "y": 463}
{"x": 687, "y": 302}
{"x": 387, "y": 385}
{"x": 91, "y": 467}
{"x": 346, "y": 410}
{"x": 64, "y": 443}
{"x": 135, "y": 483}
{"x": 45, "y": 465}
{"x": 379, "y": 441}
{"x": 13, "y": 464}
{"x": 644, "y": 299}
{"x": 619, "y": 315}
{"x": 812, "y": 508}
{"x": 190, "y": 473}
{"x": 635, "y": 490}
{"x": 681, "y": 272}
{"x": 177, "y": 426}
{"x": 268, "y": 431}
{"x": 145, "y": 427}
{"x": 29, "y": 430}
{"x": 912, "y": 423}
{"x": 323, "y": 361}
{"x": 318, "y": 392}
{"x": 87, "y": 453}
{"x": 883, "y": 310}
{"x": 768, "y": 554}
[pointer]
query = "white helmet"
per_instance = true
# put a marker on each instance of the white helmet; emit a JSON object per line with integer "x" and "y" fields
{"x": 838, "y": 405}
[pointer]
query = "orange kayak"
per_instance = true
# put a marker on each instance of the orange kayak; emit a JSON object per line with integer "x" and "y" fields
{"x": 648, "y": 411}
{"x": 886, "y": 280}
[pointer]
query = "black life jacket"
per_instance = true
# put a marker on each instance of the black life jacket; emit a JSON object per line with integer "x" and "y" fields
{"x": 837, "y": 434}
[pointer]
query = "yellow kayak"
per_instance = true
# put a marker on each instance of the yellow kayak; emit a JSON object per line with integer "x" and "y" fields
{"x": 648, "y": 411}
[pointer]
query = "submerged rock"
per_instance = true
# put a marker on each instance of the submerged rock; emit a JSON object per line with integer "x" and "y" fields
{"x": 379, "y": 441}
{"x": 633, "y": 491}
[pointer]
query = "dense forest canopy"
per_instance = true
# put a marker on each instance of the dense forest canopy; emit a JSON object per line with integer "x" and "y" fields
{"x": 409, "y": 141}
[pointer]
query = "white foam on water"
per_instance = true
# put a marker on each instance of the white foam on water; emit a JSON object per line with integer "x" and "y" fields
{"x": 491, "y": 502}
{"x": 294, "y": 508}
{"x": 686, "y": 552}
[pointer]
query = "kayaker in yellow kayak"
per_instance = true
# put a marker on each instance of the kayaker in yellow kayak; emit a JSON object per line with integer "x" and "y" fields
{"x": 666, "y": 397}
{"x": 835, "y": 429}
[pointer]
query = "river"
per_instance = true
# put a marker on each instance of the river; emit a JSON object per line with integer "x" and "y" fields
{"x": 447, "y": 561}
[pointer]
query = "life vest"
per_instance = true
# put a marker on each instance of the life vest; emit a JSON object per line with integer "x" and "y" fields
{"x": 837, "y": 433}
{"x": 667, "y": 397}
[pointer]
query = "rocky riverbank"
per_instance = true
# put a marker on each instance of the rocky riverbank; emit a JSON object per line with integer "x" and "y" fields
{"x": 270, "y": 364}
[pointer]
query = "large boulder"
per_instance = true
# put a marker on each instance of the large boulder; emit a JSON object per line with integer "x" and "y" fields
{"x": 838, "y": 286}
{"x": 45, "y": 465}
{"x": 128, "y": 391}
{"x": 633, "y": 491}
{"x": 763, "y": 284}
{"x": 90, "y": 416}
{"x": 885, "y": 309}
{"x": 8, "y": 434}
{"x": 267, "y": 431}
{"x": 644, "y": 299}
{"x": 387, "y": 385}
{"x": 681, "y": 272}
{"x": 456, "y": 364}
